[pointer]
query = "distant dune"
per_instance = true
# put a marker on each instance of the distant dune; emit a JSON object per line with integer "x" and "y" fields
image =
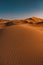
{"x": 32, "y": 20}
{"x": 21, "y": 43}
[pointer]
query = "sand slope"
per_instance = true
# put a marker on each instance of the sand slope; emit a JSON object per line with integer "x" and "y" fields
{"x": 21, "y": 45}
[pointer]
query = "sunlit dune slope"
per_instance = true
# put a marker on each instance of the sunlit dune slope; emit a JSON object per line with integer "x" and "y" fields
{"x": 34, "y": 20}
{"x": 21, "y": 45}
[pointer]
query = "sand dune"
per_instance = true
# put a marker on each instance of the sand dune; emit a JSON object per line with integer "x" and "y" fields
{"x": 21, "y": 45}
{"x": 35, "y": 19}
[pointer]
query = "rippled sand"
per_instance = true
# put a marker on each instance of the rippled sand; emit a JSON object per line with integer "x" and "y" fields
{"x": 21, "y": 45}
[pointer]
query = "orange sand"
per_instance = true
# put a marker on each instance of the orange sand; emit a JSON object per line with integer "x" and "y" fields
{"x": 21, "y": 45}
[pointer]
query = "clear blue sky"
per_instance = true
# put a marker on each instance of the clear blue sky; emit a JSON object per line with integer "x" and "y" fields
{"x": 18, "y": 9}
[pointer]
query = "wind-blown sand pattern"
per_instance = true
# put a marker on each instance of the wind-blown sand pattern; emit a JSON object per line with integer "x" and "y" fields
{"x": 21, "y": 44}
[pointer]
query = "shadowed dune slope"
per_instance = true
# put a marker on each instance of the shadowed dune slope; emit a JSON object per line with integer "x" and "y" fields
{"x": 21, "y": 45}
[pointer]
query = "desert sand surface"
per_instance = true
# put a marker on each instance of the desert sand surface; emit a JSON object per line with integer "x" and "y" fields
{"x": 21, "y": 45}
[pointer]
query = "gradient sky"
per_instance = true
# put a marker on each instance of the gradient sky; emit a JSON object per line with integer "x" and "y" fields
{"x": 18, "y": 9}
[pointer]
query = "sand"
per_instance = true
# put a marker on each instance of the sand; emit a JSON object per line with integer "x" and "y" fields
{"x": 21, "y": 45}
